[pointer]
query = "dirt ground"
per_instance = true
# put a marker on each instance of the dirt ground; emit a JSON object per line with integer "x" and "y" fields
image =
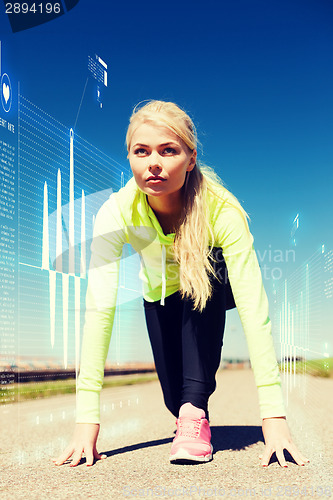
{"x": 136, "y": 435}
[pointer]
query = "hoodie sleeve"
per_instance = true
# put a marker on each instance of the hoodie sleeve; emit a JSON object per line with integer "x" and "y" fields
{"x": 250, "y": 297}
{"x": 106, "y": 250}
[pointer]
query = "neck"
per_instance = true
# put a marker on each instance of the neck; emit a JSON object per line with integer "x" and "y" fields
{"x": 171, "y": 204}
{"x": 168, "y": 210}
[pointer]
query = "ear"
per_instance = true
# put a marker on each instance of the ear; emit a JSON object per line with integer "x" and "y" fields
{"x": 193, "y": 161}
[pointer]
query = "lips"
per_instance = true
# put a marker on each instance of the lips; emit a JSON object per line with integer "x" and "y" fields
{"x": 155, "y": 178}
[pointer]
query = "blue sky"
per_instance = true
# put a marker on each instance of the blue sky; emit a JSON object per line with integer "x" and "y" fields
{"x": 256, "y": 77}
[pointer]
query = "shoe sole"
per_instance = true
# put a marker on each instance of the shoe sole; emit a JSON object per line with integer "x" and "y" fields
{"x": 183, "y": 455}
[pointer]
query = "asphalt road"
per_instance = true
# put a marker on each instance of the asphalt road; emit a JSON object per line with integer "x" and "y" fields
{"x": 136, "y": 435}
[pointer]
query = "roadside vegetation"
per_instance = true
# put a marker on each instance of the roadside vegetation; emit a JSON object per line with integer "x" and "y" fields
{"x": 13, "y": 393}
{"x": 315, "y": 367}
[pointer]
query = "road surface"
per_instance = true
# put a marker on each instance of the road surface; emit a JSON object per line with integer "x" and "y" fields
{"x": 136, "y": 435}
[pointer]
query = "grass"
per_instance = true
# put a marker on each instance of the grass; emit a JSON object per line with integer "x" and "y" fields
{"x": 315, "y": 367}
{"x": 13, "y": 393}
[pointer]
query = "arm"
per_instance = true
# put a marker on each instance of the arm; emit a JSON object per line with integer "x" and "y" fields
{"x": 106, "y": 249}
{"x": 252, "y": 304}
{"x": 251, "y": 300}
{"x": 233, "y": 235}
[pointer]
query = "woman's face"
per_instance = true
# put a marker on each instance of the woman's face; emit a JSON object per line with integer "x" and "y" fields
{"x": 159, "y": 160}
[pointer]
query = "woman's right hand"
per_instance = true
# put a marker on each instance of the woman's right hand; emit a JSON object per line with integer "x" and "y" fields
{"x": 84, "y": 441}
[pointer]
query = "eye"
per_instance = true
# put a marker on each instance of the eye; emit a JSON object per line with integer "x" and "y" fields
{"x": 169, "y": 151}
{"x": 140, "y": 151}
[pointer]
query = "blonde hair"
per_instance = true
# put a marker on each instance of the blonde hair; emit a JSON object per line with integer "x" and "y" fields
{"x": 194, "y": 237}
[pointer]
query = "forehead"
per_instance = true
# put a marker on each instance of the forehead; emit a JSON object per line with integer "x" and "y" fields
{"x": 153, "y": 135}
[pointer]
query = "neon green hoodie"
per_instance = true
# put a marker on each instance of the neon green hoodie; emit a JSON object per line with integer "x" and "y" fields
{"x": 126, "y": 217}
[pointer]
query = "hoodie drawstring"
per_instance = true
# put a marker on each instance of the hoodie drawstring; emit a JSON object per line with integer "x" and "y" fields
{"x": 163, "y": 275}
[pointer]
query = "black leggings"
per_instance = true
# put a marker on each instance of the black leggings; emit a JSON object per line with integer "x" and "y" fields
{"x": 187, "y": 344}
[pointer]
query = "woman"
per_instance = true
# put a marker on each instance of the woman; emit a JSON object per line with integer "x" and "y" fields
{"x": 188, "y": 230}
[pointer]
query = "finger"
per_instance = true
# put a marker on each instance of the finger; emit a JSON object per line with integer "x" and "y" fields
{"x": 76, "y": 458}
{"x": 68, "y": 452}
{"x": 97, "y": 456}
{"x": 281, "y": 459}
{"x": 266, "y": 457}
{"x": 297, "y": 456}
{"x": 89, "y": 458}
{"x": 63, "y": 456}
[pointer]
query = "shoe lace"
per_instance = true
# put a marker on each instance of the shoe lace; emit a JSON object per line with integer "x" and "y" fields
{"x": 189, "y": 427}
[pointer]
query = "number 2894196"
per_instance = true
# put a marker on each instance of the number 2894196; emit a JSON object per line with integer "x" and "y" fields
{"x": 35, "y": 8}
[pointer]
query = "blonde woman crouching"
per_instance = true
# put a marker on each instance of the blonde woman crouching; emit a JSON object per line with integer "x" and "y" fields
{"x": 197, "y": 261}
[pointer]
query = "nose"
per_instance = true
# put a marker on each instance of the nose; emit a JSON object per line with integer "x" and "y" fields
{"x": 155, "y": 169}
{"x": 154, "y": 164}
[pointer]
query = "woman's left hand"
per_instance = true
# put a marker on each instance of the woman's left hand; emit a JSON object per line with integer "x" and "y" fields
{"x": 277, "y": 438}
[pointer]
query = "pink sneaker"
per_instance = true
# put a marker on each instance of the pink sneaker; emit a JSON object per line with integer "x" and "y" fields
{"x": 192, "y": 440}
